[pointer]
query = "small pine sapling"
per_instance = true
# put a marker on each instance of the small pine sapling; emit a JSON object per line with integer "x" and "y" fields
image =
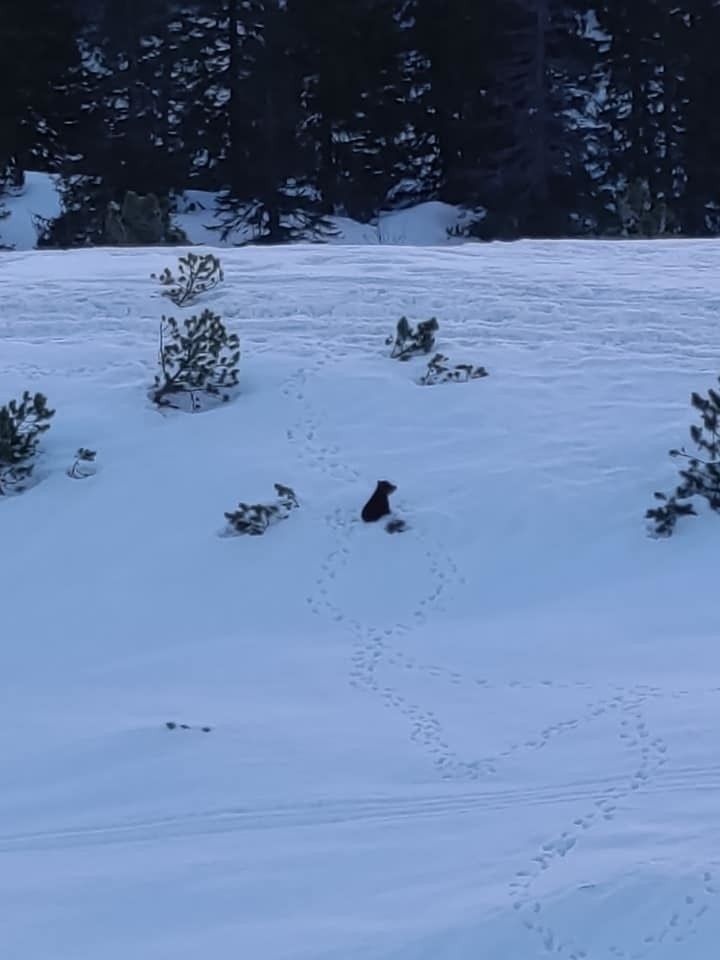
{"x": 701, "y": 476}
{"x": 197, "y": 273}
{"x": 201, "y": 358}
{"x": 665, "y": 516}
{"x": 254, "y": 518}
{"x": 438, "y": 371}
{"x": 21, "y": 425}
{"x": 286, "y": 497}
{"x": 409, "y": 341}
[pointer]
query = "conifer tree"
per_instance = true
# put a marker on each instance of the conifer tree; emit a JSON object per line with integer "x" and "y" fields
{"x": 39, "y": 71}
{"x": 199, "y": 358}
{"x": 645, "y": 67}
{"x": 701, "y": 141}
{"x": 22, "y": 423}
{"x": 268, "y": 183}
{"x": 700, "y": 477}
{"x": 363, "y": 89}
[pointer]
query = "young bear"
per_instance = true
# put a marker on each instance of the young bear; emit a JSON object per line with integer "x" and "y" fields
{"x": 378, "y": 505}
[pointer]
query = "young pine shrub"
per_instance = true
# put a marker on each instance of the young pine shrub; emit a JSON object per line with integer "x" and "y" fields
{"x": 410, "y": 341}
{"x": 22, "y": 423}
{"x": 254, "y": 518}
{"x": 198, "y": 359}
{"x": 439, "y": 371}
{"x": 197, "y": 273}
{"x": 701, "y": 475}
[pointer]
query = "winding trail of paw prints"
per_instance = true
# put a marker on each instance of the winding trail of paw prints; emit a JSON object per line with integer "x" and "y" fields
{"x": 305, "y": 429}
{"x": 650, "y": 755}
{"x": 370, "y": 644}
{"x": 377, "y": 646}
{"x": 537, "y": 741}
{"x": 373, "y": 645}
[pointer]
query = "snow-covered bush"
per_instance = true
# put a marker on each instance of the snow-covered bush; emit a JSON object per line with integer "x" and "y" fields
{"x": 201, "y": 358}
{"x": 409, "y": 341}
{"x": 21, "y": 425}
{"x": 197, "y": 273}
{"x": 439, "y": 371}
{"x": 701, "y": 475}
{"x": 83, "y": 466}
{"x": 255, "y": 518}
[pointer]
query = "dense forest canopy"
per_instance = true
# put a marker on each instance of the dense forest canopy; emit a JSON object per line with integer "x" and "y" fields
{"x": 541, "y": 117}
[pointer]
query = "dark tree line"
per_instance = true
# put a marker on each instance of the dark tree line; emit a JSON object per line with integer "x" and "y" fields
{"x": 544, "y": 117}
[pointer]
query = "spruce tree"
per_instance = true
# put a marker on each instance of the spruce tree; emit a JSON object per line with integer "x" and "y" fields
{"x": 135, "y": 43}
{"x": 39, "y": 71}
{"x": 701, "y": 76}
{"x": 645, "y": 71}
{"x": 267, "y": 184}
{"x": 363, "y": 88}
{"x": 460, "y": 44}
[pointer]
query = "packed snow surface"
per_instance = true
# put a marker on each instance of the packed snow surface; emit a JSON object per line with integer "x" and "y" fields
{"x": 491, "y": 737}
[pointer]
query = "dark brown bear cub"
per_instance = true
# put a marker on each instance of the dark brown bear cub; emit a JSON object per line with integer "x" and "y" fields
{"x": 378, "y": 505}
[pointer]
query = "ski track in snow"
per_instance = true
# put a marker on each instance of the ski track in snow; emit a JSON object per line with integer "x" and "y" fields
{"x": 376, "y": 644}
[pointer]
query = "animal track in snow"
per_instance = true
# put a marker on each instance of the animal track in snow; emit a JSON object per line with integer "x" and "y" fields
{"x": 651, "y": 755}
{"x": 305, "y": 430}
{"x": 376, "y": 647}
{"x": 371, "y": 644}
{"x": 680, "y": 925}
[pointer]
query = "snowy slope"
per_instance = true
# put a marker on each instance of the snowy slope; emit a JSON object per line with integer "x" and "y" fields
{"x": 493, "y": 736}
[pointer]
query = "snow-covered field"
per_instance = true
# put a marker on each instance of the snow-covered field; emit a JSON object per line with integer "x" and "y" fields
{"x": 492, "y": 737}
